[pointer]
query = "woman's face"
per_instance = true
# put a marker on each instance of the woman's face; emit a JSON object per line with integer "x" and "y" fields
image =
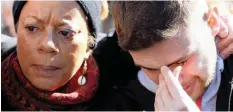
{"x": 52, "y": 42}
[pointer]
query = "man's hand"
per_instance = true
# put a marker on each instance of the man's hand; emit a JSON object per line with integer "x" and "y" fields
{"x": 225, "y": 40}
{"x": 170, "y": 96}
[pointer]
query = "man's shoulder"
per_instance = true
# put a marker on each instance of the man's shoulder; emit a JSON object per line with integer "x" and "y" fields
{"x": 224, "y": 98}
{"x": 109, "y": 52}
{"x": 116, "y": 65}
{"x": 106, "y": 44}
{"x": 228, "y": 65}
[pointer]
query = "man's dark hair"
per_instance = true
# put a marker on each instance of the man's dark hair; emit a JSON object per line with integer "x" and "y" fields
{"x": 141, "y": 24}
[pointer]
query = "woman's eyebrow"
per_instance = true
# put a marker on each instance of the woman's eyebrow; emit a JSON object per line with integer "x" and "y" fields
{"x": 36, "y": 18}
{"x": 63, "y": 23}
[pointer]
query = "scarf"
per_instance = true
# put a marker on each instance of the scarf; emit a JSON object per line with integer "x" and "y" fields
{"x": 22, "y": 95}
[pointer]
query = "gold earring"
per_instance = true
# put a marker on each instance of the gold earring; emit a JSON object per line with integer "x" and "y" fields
{"x": 84, "y": 67}
{"x": 82, "y": 79}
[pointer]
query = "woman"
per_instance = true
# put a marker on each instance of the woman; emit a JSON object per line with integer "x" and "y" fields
{"x": 52, "y": 68}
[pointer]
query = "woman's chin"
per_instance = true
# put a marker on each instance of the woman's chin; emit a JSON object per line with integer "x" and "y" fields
{"x": 44, "y": 81}
{"x": 46, "y": 84}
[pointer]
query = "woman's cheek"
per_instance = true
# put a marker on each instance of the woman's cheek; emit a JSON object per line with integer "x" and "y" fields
{"x": 73, "y": 56}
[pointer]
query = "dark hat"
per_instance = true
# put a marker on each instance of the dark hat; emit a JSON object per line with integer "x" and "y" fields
{"x": 92, "y": 9}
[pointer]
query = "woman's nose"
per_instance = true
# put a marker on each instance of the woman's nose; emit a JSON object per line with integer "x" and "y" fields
{"x": 47, "y": 44}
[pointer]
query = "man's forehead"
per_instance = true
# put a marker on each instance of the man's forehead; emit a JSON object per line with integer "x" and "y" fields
{"x": 163, "y": 53}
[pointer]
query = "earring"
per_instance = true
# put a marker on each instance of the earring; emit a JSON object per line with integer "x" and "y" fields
{"x": 82, "y": 79}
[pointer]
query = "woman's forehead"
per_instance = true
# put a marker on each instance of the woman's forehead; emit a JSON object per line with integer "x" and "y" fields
{"x": 57, "y": 10}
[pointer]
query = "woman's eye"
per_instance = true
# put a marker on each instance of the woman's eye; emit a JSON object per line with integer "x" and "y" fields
{"x": 32, "y": 29}
{"x": 66, "y": 33}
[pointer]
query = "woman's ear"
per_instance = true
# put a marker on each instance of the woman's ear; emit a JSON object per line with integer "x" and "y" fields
{"x": 90, "y": 46}
{"x": 213, "y": 20}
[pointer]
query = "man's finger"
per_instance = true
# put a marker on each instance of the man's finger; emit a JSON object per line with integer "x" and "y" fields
{"x": 163, "y": 93}
{"x": 177, "y": 71}
{"x": 161, "y": 81}
{"x": 223, "y": 43}
{"x": 227, "y": 51}
{"x": 173, "y": 85}
{"x": 161, "y": 85}
{"x": 159, "y": 104}
{"x": 223, "y": 32}
{"x": 166, "y": 97}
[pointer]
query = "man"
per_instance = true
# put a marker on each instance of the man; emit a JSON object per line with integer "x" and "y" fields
{"x": 173, "y": 38}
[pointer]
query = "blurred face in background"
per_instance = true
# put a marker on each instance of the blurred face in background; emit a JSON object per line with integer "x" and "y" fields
{"x": 7, "y": 18}
{"x": 52, "y": 42}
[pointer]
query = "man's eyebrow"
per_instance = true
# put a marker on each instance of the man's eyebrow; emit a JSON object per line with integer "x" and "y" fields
{"x": 157, "y": 68}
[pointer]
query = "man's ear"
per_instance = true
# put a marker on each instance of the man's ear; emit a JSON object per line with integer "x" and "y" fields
{"x": 213, "y": 20}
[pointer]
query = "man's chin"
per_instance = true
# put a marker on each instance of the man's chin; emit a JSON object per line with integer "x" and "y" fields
{"x": 197, "y": 91}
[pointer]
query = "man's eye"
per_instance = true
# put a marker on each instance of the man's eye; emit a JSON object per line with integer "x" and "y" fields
{"x": 31, "y": 29}
{"x": 151, "y": 69}
{"x": 182, "y": 63}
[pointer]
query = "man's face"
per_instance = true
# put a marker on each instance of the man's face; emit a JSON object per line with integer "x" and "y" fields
{"x": 192, "y": 48}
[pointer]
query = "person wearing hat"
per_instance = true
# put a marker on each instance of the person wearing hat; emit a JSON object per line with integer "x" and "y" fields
{"x": 52, "y": 67}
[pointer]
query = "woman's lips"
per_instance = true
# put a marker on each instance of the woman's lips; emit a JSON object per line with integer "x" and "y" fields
{"x": 46, "y": 68}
